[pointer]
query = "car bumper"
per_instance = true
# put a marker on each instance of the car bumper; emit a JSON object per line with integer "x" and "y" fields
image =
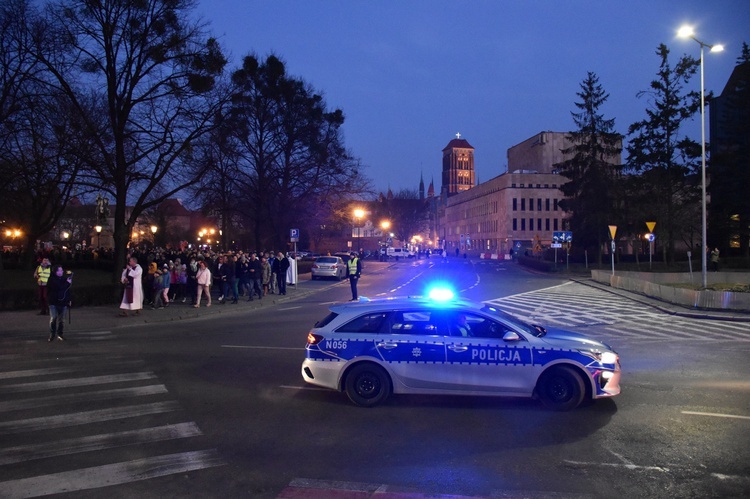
{"x": 607, "y": 382}
{"x": 325, "y": 273}
{"x": 322, "y": 373}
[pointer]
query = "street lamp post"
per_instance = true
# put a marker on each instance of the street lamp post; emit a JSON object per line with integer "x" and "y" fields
{"x": 688, "y": 32}
{"x": 154, "y": 228}
{"x": 98, "y": 229}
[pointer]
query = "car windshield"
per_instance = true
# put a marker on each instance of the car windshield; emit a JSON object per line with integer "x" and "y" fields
{"x": 326, "y": 259}
{"x": 532, "y": 329}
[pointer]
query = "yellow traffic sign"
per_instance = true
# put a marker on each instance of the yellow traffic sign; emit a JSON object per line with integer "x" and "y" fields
{"x": 650, "y": 226}
{"x": 612, "y": 230}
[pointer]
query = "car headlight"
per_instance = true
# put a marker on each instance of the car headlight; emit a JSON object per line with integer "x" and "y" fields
{"x": 602, "y": 357}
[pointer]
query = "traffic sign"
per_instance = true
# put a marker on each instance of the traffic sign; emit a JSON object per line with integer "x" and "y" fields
{"x": 650, "y": 226}
{"x": 294, "y": 235}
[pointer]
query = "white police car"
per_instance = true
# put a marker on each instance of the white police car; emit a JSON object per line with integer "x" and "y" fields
{"x": 372, "y": 348}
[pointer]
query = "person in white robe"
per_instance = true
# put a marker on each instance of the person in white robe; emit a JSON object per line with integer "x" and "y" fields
{"x": 132, "y": 298}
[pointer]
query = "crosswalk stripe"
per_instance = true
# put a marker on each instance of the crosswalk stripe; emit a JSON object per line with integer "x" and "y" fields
{"x": 87, "y": 417}
{"x": 574, "y": 305}
{"x": 110, "y": 474}
{"x": 98, "y": 442}
{"x": 66, "y": 383}
{"x": 33, "y": 403}
{"x": 29, "y": 373}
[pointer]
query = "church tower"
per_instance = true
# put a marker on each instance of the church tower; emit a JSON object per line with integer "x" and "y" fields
{"x": 458, "y": 166}
{"x": 421, "y": 186}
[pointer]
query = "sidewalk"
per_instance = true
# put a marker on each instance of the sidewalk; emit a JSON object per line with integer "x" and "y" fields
{"x": 106, "y": 318}
{"x": 666, "y": 307}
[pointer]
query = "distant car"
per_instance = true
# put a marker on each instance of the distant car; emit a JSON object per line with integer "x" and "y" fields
{"x": 328, "y": 266}
{"x": 440, "y": 345}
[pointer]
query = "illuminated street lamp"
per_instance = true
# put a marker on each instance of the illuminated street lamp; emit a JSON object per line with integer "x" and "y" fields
{"x": 688, "y": 32}
{"x": 98, "y": 229}
{"x": 358, "y": 214}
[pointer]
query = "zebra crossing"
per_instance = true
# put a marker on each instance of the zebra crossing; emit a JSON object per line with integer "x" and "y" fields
{"x": 79, "y": 423}
{"x": 576, "y": 306}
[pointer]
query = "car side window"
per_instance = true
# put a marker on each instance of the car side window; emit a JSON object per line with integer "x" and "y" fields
{"x": 421, "y": 322}
{"x": 369, "y": 323}
{"x": 470, "y": 325}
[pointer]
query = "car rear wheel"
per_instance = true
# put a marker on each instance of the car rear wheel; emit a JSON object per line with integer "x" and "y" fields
{"x": 367, "y": 385}
{"x": 561, "y": 388}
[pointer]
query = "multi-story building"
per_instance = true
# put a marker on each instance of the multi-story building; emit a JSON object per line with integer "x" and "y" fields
{"x": 517, "y": 209}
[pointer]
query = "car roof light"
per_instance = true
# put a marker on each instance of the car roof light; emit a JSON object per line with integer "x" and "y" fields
{"x": 441, "y": 294}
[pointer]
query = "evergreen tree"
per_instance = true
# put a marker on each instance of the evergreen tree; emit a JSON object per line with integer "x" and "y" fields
{"x": 668, "y": 160}
{"x": 745, "y": 55}
{"x": 592, "y": 168}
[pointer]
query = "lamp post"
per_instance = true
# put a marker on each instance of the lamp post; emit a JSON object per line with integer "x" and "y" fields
{"x": 358, "y": 215}
{"x": 688, "y": 32}
{"x": 98, "y": 229}
{"x": 154, "y": 228}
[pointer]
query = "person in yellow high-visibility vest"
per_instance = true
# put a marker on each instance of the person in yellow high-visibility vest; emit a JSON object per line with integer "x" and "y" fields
{"x": 354, "y": 272}
{"x": 41, "y": 274}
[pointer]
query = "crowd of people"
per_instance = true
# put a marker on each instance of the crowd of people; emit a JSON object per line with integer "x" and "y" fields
{"x": 163, "y": 277}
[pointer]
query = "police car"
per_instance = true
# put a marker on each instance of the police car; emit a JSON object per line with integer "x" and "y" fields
{"x": 441, "y": 345}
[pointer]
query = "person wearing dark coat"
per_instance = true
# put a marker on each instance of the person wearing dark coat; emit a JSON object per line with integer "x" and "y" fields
{"x": 59, "y": 298}
{"x": 280, "y": 266}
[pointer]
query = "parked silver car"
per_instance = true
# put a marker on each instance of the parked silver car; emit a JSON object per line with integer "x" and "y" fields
{"x": 329, "y": 266}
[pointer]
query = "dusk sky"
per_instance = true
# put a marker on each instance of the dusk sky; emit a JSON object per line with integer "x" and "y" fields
{"x": 410, "y": 74}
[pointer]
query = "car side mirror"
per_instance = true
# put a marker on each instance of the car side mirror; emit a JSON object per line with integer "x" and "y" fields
{"x": 511, "y": 336}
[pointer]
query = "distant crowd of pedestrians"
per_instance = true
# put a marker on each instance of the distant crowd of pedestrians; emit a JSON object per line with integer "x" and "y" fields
{"x": 162, "y": 277}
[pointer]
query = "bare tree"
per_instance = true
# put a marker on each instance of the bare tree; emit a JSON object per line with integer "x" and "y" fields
{"x": 153, "y": 72}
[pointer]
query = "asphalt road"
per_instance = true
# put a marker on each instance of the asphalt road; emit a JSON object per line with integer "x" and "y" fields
{"x": 238, "y": 421}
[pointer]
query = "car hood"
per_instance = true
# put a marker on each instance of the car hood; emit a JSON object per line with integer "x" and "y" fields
{"x": 562, "y": 338}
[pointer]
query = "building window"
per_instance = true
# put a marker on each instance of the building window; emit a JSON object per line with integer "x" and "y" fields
{"x": 554, "y": 224}
{"x": 546, "y": 204}
{"x": 556, "y": 204}
{"x": 515, "y": 224}
{"x": 539, "y": 204}
{"x": 546, "y": 224}
{"x": 523, "y": 204}
{"x": 522, "y": 185}
{"x": 531, "y": 204}
{"x": 539, "y": 224}
{"x": 515, "y": 204}
{"x": 523, "y": 224}
{"x": 531, "y": 224}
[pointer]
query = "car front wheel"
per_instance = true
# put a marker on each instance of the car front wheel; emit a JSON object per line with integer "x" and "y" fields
{"x": 561, "y": 388}
{"x": 367, "y": 385}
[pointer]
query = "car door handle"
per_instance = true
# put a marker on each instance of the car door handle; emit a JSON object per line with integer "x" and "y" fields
{"x": 387, "y": 344}
{"x": 458, "y": 348}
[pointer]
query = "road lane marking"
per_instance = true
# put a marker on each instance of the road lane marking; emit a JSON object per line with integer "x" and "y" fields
{"x": 618, "y": 465}
{"x": 33, "y": 403}
{"x": 257, "y": 347}
{"x": 110, "y": 474}
{"x": 98, "y": 442}
{"x": 67, "y": 383}
{"x": 87, "y": 417}
{"x": 715, "y": 415}
{"x": 289, "y": 308}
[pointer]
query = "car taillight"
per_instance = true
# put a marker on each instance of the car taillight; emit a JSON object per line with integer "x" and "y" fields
{"x": 314, "y": 339}
{"x": 315, "y": 265}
